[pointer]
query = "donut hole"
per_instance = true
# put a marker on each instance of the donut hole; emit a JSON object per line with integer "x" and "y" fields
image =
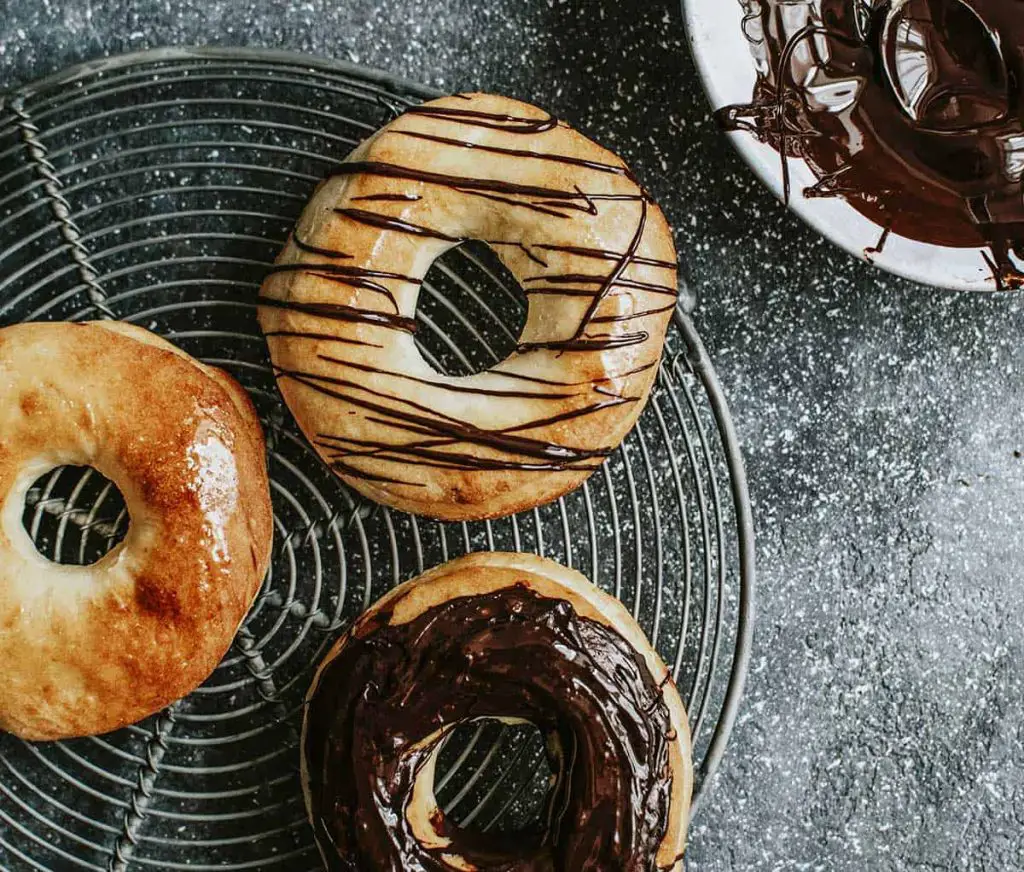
{"x": 494, "y": 777}
{"x": 75, "y": 515}
{"x": 471, "y": 311}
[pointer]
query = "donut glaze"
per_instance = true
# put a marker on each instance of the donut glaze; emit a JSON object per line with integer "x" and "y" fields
{"x": 88, "y": 649}
{"x": 566, "y": 217}
{"x": 912, "y": 111}
{"x": 503, "y": 636}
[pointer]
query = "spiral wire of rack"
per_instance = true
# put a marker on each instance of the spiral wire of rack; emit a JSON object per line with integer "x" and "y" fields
{"x": 157, "y": 188}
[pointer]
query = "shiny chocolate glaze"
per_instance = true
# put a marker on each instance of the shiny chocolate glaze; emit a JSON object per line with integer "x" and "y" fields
{"x": 911, "y": 111}
{"x": 374, "y": 721}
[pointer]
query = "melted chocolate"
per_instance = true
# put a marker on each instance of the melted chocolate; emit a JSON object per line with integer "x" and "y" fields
{"x": 912, "y": 113}
{"x": 373, "y": 721}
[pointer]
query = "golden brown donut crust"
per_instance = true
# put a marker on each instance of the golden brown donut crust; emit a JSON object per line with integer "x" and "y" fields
{"x": 90, "y": 649}
{"x": 593, "y": 252}
{"x": 486, "y": 572}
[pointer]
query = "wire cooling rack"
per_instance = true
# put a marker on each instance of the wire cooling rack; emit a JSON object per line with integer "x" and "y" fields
{"x": 156, "y": 188}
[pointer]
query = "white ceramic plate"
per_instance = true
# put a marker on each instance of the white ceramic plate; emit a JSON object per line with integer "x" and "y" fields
{"x": 727, "y": 66}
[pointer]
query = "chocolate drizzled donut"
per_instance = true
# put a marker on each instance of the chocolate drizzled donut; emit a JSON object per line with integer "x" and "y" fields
{"x": 567, "y": 218}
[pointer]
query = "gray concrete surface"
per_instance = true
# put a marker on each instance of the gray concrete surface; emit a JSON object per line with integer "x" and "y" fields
{"x": 881, "y": 424}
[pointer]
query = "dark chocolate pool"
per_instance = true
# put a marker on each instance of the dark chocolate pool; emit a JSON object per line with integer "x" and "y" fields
{"x": 911, "y": 111}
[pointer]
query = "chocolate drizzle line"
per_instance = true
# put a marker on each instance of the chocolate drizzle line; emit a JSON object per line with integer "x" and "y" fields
{"x": 516, "y": 152}
{"x": 631, "y": 316}
{"x": 525, "y": 249}
{"x": 353, "y": 276}
{"x": 375, "y": 718}
{"x": 422, "y": 435}
{"x": 556, "y": 383}
{"x": 601, "y": 254}
{"x": 384, "y": 222}
{"x": 879, "y": 246}
{"x": 316, "y": 249}
{"x": 460, "y": 183}
{"x": 601, "y": 342}
{"x": 419, "y": 455}
{"x": 340, "y": 312}
{"x": 429, "y": 422}
{"x": 385, "y": 198}
{"x": 490, "y": 120}
{"x": 581, "y": 279}
{"x": 938, "y": 163}
{"x": 542, "y": 208}
{"x": 620, "y": 268}
{"x": 456, "y": 388}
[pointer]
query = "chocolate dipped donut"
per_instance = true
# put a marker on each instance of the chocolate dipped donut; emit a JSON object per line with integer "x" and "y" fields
{"x": 88, "y": 649}
{"x": 566, "y": 217}
{"x": 910, "y": 110}
{"x": 513, "y": 637}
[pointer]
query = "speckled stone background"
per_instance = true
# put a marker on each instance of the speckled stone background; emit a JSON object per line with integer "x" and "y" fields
{"x": 882, "y": 426}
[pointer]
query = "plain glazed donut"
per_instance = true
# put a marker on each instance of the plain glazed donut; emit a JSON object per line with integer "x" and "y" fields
{"x": 519, "y": 638}
{"x": 592, "y": 251}
{"x": 88, "y": 649}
